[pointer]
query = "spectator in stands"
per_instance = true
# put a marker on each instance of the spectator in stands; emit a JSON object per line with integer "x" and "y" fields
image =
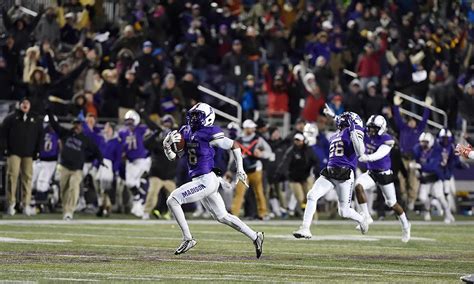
{"x": 368, "y": 66}
{"x": 314, "y": 100}
{"x": 373, "y": 102}
{"x": 235, "y": 66}
{"x": 20, "y": 29}
{"x": 277, "y": 93}
{"x": 171, "y": 100}
{"x": 201, "y": 56}
{"x": 109, "y": 94}
{"x": 6, "y": 81}
{"x": 146, "y": 64}
{"x": 189, "y": 89}
{"x": 128, "y": 92}
{"x": 48, "y": 27}
{"x": 128, "y": 40}
{"x": 21, "y": 134}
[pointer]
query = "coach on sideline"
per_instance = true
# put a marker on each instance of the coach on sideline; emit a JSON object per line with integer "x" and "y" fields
{"x": 73, "y": 155}
{"x": 21, "y": 138}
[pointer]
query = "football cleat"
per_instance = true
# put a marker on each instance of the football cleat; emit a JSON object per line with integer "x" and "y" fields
{"x": 137, "y": 209}
{"x": 427, "y": 216}
{"x": 406, "y": 233}
{"x": 258, "y": 243}
{"x": 364, "y": 225}
{"x": 185, "y": 246}
{"x": 302, "y": 233}
{"x": 369, "y": 221}
{"x": 146, "y": 216}
{"x": 449, "y": 218}
{"x": 67, "y": 217}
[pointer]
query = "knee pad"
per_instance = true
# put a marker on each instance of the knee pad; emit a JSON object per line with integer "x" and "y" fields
{"x": 390, "y": 203}
{"x": 311, "y": 195}
{"x": 171, "y": 201}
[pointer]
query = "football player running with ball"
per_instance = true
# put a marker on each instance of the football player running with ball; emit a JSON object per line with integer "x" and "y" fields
{"x": 345, "y": 146}
{"x": 200, "y": 136}
{"x": 378, "y": 145}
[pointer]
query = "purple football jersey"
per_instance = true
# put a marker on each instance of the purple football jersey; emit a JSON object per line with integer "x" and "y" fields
{"x": 50, "y": 146}
{"x": 341, "y": 150}
{"x": 132, "y": 142}
{"x": 197, "y": 151}
{"x": 371, "y": 146}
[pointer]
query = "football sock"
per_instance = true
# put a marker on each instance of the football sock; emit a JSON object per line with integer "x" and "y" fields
{"x": 309, "y": 212}
{"x": 365, "y": 209}
{"x": 351, "y": 214}
{"x": 403, "y": 220}
{"x": 237, "y": 224}
{"x": 178, "y": 213}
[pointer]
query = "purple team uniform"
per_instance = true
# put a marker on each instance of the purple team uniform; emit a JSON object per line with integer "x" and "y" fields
{"x": 197, "y": 151}
{"x": 371, "y": 146}
{"x": 112, "y": 150}
{"x": 341, "y": 150}
{"x": 132, "y": 143}
{"x": 50, "y": 146}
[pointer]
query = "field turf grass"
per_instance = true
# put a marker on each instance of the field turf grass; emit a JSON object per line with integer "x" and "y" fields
{"x": 138, "y": 251}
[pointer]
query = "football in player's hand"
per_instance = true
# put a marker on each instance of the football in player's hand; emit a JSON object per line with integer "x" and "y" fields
{"x": 178, "y": 146}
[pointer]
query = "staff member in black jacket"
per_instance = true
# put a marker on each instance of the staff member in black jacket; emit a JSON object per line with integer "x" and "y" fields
{"x": 21, "y": 138}
{"x": 162, "y": 171}
{"x": 298, "y": 161}
{"x": 73, "y": 154}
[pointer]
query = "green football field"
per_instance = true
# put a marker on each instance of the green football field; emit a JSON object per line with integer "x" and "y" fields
{"x": 138, "y": 251}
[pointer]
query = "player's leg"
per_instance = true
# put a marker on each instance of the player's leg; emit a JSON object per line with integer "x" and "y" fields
{"x": 364, "y": 182}
{"x": 192, "y": 191}
{"x": 344, "y": 193}
{"x": 319, "y": 189}
{"x": 216, "y": 206}
{"x": 389, "y": 194}
{"x": 133, "y": 173}
{"x": 423, "y": 196}
{"x": 438, "y": 193}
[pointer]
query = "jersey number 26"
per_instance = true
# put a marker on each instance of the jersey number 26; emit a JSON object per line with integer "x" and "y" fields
{"x": 336, "y": 149}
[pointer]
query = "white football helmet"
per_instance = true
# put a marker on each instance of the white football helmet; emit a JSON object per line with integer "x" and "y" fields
{"x": 445, "y": 133}
{"x": 133, "y": 116}
{"x": 378, "y": 122}
{"x": 427, "y": 137}
{"x": 201, "y": 114}
{"x": 310, "y": 132}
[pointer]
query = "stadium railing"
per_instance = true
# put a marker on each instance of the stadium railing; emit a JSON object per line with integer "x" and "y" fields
{"x": 227, "y": 115}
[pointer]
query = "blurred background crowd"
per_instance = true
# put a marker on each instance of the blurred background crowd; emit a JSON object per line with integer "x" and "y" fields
{"x": 282, "y": 58}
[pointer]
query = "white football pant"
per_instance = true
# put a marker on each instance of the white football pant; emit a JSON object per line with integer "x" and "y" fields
{"x": 134, "y": 171}
{"x": 204, "y": 188}
{"x": 344, "y": 193}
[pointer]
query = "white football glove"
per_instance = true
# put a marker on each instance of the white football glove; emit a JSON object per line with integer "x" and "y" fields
{"x": 328, "y": 111}
{"x": 364, "y": 158}
{"x": 242, "y": 176}
{"x": 172, "y": 137}
{"x": 414, "y": 165}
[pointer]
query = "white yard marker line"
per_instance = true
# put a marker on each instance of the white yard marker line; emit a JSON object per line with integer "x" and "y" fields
{"x": 209, "y": 222}
{"x": 26, "y": 241}
{"x": 348, "y": 238}
{"x": 72, "y": 279}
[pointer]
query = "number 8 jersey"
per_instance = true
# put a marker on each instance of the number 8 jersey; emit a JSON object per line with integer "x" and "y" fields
{"x": 341, "y": 149}
{"x": 197, "y": 150}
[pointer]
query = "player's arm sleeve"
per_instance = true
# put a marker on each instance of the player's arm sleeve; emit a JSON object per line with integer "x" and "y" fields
{"x": 223, "y": 143}
{"x": 381, "y": 152}
{"x": 237, "y": 155}
{"x": 357, "y": 138}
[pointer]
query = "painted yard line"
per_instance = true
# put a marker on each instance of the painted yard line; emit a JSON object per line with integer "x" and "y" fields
{"x": 2, "y": 281}
{"x": 15, "y": 240}
{"x": 208, "y": 222}
{"x": 72, "y": 279}
{"x": 154, "y": 277}
{"x": 337, "y": 268}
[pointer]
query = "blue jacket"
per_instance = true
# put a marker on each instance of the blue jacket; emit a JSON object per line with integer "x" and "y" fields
{"x": 430, "y": 160}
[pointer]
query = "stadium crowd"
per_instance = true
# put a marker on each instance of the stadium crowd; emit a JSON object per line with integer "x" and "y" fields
{"x": 274, "y": 57}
